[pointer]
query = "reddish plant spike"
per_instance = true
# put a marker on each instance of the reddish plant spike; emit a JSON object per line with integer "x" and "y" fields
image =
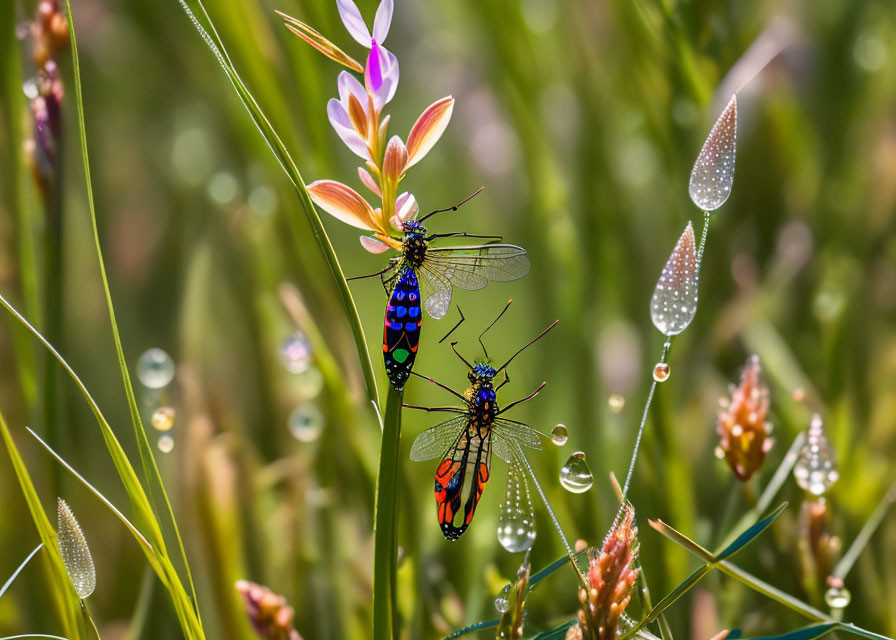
{"x": 744, "y": 434}
{"x": 713, "y": 174}
{"x": 674, "y": 300}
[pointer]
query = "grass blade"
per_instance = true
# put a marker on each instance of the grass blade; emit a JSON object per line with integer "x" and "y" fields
{"x": 747, "y": 536}
{"x": 490, "y": 624}
{"x": 19, "y": 569}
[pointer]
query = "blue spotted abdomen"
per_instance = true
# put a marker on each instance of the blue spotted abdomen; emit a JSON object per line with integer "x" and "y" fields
{"x": 401, "y": 333}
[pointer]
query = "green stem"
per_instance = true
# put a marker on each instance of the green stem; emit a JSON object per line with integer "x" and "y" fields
{"x": 858, "y": 545}
{"x": 706, "y": 216}
{"x": 385, "y": 547}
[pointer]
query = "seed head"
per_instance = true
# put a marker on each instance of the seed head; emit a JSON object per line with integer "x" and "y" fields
{"x": 611, "y": 578}
{"x": 742, "y": 428}
{"x": 269, "y": 614}
{"x": 75, "y": 552}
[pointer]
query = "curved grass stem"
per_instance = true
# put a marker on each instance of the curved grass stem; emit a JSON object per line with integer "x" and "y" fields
{"x": 385, "y": 541}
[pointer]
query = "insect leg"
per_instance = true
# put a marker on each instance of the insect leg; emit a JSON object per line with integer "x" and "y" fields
{"x": 462, "y": 234}
{"x": 505, "y": 381}
{"x": 373, "y": 275}
{"x": 429, "y": 409}
{"x": 522, "y": 400}
{"x": 439, "y": 384}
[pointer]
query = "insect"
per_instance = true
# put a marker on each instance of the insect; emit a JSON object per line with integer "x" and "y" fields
{"x": 427, "y": 275}
{"x": 466, "y": 441}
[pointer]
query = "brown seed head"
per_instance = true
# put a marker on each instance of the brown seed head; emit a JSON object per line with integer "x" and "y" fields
{"x": 742, "y": 428}
{"x": 269, "y": 614}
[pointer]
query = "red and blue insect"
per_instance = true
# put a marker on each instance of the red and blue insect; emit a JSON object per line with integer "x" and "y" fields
{"x": 467, "y": 441}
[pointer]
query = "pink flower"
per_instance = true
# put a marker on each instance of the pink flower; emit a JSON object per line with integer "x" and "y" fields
{"x": 381, "y": 69}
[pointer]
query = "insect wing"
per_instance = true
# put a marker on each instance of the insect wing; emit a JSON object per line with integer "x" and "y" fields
{"x": 468, "y": 268}
{"x": 509, "y": 436}
{"x": 401, "y": 330}
{"x": 433, "y": 442}
{"x": 460, "y": 479}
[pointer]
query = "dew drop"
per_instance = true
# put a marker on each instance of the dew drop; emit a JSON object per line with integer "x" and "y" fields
{"x": 814, "y": 469}
{"x": 559, "y": 435}
{"x": 719, "y": 453}
{"x": 31, "y": 88}
{"x": 713, "y": 173}
{"x": 674, "y": 300}
{"x": 163, "y": 418}
{"x": 575, "y": 475}
{"x": 516, "y": 520}
{"x": 616, "y": 403}
{"x": 166, "y": 443}
{"x": 837, "y": 597}
{"x": 295, "y": 352}
{"x": 306, "y": 423}
{"x": 661, "y": 371}
{"x": 155, "y": 369}
{"x": 502, "y": 602}
{"x": 74, "y": 551}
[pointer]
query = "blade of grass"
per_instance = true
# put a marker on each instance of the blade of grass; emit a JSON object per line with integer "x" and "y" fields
{"x": 66, "y": 599}
{"x": 139, "y": 500}
{"x": 19, "y": 569}
{"x": 289, "y": 167}
{"x": 150, "y": 468}
{"x": 849, "y": 558}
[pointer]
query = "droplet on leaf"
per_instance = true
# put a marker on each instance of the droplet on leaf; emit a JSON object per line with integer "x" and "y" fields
{"x": 502, "y": 602}
{"x": 559, "y": 435}
{"x": 837, "y": 597}
{"x": 74, "y": 551}
{"x": 713, "y": 173}
{"x": 575, "y": 475}
{"x": 155, "y": 369}
{"x": 674, "y": 300}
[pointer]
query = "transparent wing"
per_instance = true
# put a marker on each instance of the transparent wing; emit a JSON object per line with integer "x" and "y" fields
{"x": 473, "y": 267}
{"x": 433, "y": 442}
{"x": 508, "y": 437}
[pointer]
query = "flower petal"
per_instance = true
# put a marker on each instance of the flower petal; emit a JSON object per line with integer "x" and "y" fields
{"x": 344, "y": 203}
{"x": 316, "y": 40}
{"x": 395, "y": 159}
{"x": 369, "y": 182}
{"x": 382, "y": 21}
{"x": 342, "y": 124}
{"x": 353, "y": 21}
{"x": 348, "y": 86}
{"x": 406, "y": 206}
{"x": 358, "y": 117}
{"x": 428, "y": 129}
{"x": 373, "y": 245}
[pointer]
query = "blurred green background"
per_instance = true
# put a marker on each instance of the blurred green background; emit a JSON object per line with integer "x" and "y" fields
{"x": 582, "y": 118}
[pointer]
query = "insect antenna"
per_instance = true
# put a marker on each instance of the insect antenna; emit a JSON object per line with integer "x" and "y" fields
{"x": 459, "y": 322}
{"x": 455, "y": 207}
{"x": 534, "y": 340}
{"x": 464, "y": 360}
{"x": 503, "y": 311}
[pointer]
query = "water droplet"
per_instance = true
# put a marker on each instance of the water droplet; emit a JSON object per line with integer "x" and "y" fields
{"x": 575, "y": 475}
{"x": 74, "y": 551}
{"x": 516, "y": 521}
{"x": 559, "y": 435}
{"x": 155, "y": 369}
{"x": 502, "y": 602}
{"x": 616, "y": 403}
{"x": 713, "y": 173}
{"x": 837, "y": 597}
{"x": 674, "y": 300}
{"x": 295, "y": 352}
{"x": 166, "y": 443}
{"x": 30, "y": 88}
{"x": 719, "y": 453}
{"x": 163, "y": 418}
{"x": 661, "y": 371}
{"x": 306, "y": 423}
{"x": 814, "y": 469}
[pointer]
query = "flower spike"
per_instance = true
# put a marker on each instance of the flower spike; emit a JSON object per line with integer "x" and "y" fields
{"x": 674, "y": 300}
{"x": 742, "y": 429}
{"x": 75, "y": 552}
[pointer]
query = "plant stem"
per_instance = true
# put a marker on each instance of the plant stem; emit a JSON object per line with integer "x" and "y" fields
{"x": 385, "y": 543}
{"x": 852, "y": 554}
{"x": 706, "y": 216}
{"x": 631, "y": 465}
